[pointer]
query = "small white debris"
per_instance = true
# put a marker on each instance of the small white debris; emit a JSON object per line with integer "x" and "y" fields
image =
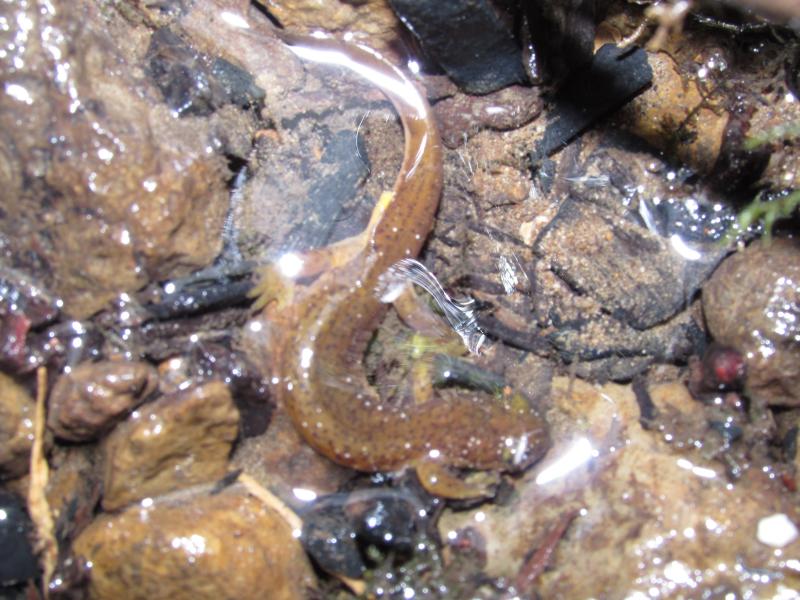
{"x": 679, "y": 574}
{"x": 776, "y": 531}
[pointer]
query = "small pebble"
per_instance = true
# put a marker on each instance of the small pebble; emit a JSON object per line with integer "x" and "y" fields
{"x": 776, "y": 530}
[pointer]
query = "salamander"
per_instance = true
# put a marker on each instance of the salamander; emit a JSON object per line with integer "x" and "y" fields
{"x": 322, "y": 309}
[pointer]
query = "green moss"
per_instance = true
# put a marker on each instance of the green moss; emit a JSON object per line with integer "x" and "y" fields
{"x": 783, "y": 132}
{"x": 766, "y": 212}
{"x": 782, "y": 205}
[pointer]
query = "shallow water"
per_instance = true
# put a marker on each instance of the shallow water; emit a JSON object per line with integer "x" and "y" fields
{"x": 313, "y": 323}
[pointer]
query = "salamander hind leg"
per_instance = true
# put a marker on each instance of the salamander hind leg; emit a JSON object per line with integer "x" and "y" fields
{"x": 440, "y": 480}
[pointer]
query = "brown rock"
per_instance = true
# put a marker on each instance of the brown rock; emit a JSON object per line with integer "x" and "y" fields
{"x": 91, "y": 398}
{"x": 215, "y": 547}
{"x": 281, "y": 461}
{"x": 674, "y": 114}
{"x": 177, "y": 441}
{"x": 752, "y": 304}
{"x": 370, "y": 22}
{"x": 117, "y": 189}
{"x": 501, "y": 184}
{"x": 16, "y": 428}
{"x": 462, "y": 116}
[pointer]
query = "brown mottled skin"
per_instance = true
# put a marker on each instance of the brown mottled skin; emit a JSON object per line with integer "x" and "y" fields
{"x": 321, "y": 329}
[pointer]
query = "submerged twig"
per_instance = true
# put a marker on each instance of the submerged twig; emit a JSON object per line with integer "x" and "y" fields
{"x": 271, "y": 501}
{"x": 38, "y": 507}
{"x": 539, "y": 561}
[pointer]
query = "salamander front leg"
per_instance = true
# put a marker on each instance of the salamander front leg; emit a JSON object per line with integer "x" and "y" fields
{"x": 276, "y": 281}
{"x": 272, "y": 289}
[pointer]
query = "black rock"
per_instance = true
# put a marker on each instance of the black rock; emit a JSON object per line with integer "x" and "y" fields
{"x": 389, "y": 522}
{"x": 334, "y": 182}
{"x": 17, "y": 561}
{"x": 471, "y": 40}
{"x": 193, "y": 83}
{"x": 339, "y": 530}
{"x": 329, "y": 537}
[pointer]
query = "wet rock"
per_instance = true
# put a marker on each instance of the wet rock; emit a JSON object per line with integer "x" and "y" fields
{"x": 751, "y": 305}
{"x": 120, "y": 189}
{"x": 19, "y": 294}
{"x": 697, "y": 111}
{"x": 73, "y": 487}
{"x": 224, "y": 546}
{"x": 323, "y": 154}
{"x": 17, "y": 560}
{"x": 179, "y": 440}
{"x": 462, "y": 116}
{"x": 427, "y": 573}
{"x": 388, "y": 520}
{"x": 257, "y": 50}
{"x": 193, "y": 83}
{"x": 200, "y": 297}
{"x": 675, "y": 413}
{"x": 651, "y": 516}
{"x": 282, "y": 462}
{"x": 329, "y": 536}
{"x": 674, "y": 115}
{"x": 472, "y": 40}
{"x": 633, "y": 273}
{"x": 598, "y": 337}
{"x": 330, "y": 191}
{"x": 250, "y": 390}
{"x": 338, "y": 172}
{"x": 92, "y": 397}
{"x": 16, "y": 428}
{"x": 164, "y": 340}
{"x": 64, "y": 345}
{"x": 339, "y": 529}
{"x": 370, "y": 22}
{"x": 23, "y": 305}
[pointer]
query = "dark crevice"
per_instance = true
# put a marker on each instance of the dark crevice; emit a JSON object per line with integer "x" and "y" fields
{"x": 235, "y": 166}
{"x": 260, "y": 8}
